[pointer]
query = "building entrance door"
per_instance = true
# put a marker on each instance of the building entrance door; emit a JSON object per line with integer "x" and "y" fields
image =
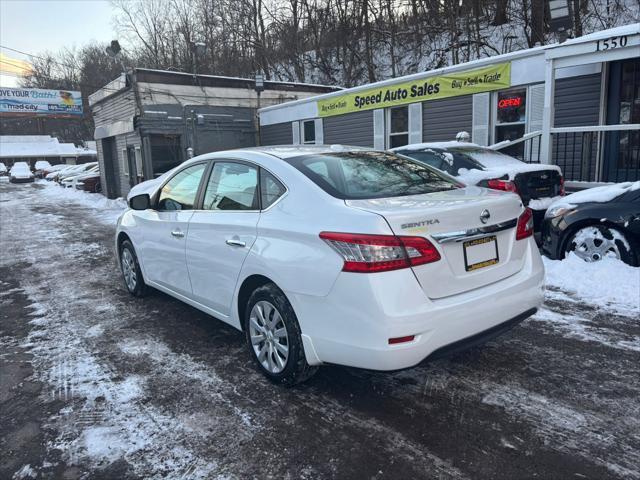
{"x": 110, "y": 158}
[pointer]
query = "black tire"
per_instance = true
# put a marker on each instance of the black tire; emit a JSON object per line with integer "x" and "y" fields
{"x": 138, "y": 288}
{"x": 296, "y": 369}
{"x": 97, "y": 188}
{"x": 627, "y": 247}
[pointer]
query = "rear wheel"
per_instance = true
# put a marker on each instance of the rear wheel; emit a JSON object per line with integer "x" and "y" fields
{"x": 131, "y": 270}
{"x": 273, "y": 337}
{"x": 97, "y": 188}
{"x": 595, "y": 242}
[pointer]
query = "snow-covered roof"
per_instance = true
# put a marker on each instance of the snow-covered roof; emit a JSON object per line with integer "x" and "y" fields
{"x": 29, "y": 146}
{"x": 631, "y": 29}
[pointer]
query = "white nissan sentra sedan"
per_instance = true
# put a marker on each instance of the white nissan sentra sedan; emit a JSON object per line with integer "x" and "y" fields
{"x": 334, "y": 255}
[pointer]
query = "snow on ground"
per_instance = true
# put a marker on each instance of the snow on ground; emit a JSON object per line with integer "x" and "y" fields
{"x": 109, "y": 210}
{"x": 608, "y": 283}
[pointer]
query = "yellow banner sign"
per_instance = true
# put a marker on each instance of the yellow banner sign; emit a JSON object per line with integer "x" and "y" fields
{"x": 495, "y": 77}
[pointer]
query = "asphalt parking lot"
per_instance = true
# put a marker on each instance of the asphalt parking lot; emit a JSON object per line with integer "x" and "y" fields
{"x": 97, "y": 384}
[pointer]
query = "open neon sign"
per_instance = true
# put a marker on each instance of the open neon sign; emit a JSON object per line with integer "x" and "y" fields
{"x": 510, "y": 102}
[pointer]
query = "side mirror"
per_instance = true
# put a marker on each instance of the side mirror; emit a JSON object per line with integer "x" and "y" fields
{"x": 140, "y": 202}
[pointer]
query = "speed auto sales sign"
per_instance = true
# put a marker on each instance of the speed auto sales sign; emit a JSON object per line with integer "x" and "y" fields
{"x": 494, "y": 77}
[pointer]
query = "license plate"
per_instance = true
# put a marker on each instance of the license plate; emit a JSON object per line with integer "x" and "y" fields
{"x": 479, "y": 253}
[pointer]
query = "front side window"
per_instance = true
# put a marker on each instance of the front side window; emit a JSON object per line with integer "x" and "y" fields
{"x": 232, "y": 186}
{"x": 271, "y": 189}
{"x": 398, "y": 126}
{"x": 361, "y": 175}
{"x": 309, "y": 132}
{"x": 180, "y": 192}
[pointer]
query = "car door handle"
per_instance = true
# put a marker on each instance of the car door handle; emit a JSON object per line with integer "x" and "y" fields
{"x": 236, "y": 243}
{"x": 177, "y": 233}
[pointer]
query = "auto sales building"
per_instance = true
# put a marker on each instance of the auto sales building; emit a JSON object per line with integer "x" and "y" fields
{"x": 149, "y": 121}
{"x": 574, "y": 104}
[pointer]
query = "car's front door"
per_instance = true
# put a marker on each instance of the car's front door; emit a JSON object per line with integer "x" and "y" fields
{"x": 165, "y": 230}
{"x": 222, "y": 233}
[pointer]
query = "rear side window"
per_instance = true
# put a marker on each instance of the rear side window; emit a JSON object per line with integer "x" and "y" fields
{"x": 180, "y": 192}
{"x": 360, "y": 175}
{"x": 450, "y": 162}
{"x": 271, "y": 189}
{"x": 232, "y": 186}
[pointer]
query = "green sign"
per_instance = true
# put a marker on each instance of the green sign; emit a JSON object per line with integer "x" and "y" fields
{"x": 494, "y": 77}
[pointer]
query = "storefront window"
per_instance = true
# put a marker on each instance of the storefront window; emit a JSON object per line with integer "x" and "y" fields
{"x": 309, "y": 132}
{"x": 398, "y": 126}
{"x": 511, "y": 119}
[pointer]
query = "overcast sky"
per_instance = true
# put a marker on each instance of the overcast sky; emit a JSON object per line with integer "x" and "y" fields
{"x": 37, "y": 25}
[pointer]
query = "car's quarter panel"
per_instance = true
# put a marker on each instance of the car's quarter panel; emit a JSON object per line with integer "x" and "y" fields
{"x": 447, "y": 213}
{"x": 161, "y": 249}
{"x": 217, "y": 245}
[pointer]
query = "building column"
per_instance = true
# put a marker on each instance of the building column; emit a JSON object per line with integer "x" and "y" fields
{"x": 546, "y": 142}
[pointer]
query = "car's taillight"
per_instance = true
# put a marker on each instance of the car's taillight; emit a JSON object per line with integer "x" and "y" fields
{"x": 562, "y": 192}
{"x": 364, "y": 253}
{"x": 525, "y": 225}
{"x": 504, "y": 185}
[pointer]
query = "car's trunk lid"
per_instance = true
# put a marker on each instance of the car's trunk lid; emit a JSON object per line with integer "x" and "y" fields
{"x": 538, "y": 184}
{"x": 449, "y": 220}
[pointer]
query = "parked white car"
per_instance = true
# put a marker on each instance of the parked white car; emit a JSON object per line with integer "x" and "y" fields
{"x": 71, "y": 181}
{"x": 40, "y": 167}
{"x": 3, "y": 169}
{"x": 334, "y": 255}
{"x": 20, "y": 173}
{"x": 75, "y": 170}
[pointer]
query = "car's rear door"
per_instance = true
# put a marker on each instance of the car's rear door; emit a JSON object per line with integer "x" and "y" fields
{"x": 165, "y": 230}
{"x": 222, "y": 232}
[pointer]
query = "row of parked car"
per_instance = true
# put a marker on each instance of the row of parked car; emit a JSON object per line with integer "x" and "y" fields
{"x": 85, "y": 176}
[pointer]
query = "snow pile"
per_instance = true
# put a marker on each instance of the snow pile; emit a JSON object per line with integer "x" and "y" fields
{"x": 110, "y": 209}
{"x": 608, "y": 283}
{"x": 596, "y": 194}
{"x": 542, "y": 203}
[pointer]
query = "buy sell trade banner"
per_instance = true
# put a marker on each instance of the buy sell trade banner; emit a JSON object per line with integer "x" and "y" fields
{"x": 494, "y": 77}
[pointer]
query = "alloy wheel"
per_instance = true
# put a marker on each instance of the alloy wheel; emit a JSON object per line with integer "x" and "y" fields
{"x": 269, "y": 338}
{"x": 129, "y": 269}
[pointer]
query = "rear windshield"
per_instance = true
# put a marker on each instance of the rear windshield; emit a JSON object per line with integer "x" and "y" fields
{"x": 362, "y": 175}
{"x": 450, "y": 162}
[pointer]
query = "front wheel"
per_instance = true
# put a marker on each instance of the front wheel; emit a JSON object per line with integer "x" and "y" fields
{"x": 595, "y": 242}
{"x": 131, "y": 270}
{"x": 273, "y": 337}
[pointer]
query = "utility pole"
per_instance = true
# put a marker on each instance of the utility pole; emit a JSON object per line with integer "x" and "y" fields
{"x": 259, "y": 88}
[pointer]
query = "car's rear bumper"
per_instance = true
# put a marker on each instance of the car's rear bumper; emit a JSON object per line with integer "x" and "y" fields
{"x": 353, "y": 324}
{"x": 21, "y": 180}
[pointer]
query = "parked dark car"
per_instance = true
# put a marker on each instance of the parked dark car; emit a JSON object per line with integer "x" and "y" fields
{"x": 537, "y": 184}
{"x": 595, "y": 223}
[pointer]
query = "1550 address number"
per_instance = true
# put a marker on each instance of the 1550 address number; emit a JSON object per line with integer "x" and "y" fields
{"x": 611, "y": 43}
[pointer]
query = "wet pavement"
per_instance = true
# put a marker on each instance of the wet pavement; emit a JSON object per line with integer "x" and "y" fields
{"x": 97, "y": 384}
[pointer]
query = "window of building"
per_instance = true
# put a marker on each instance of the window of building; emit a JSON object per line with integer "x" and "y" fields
{"x": 309, "y": 132}
{"x": 511, "y": 110}
{"x": 232, "y": 186}
{"x": 398, "y": 126}
{"x": 180, "y": 192}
